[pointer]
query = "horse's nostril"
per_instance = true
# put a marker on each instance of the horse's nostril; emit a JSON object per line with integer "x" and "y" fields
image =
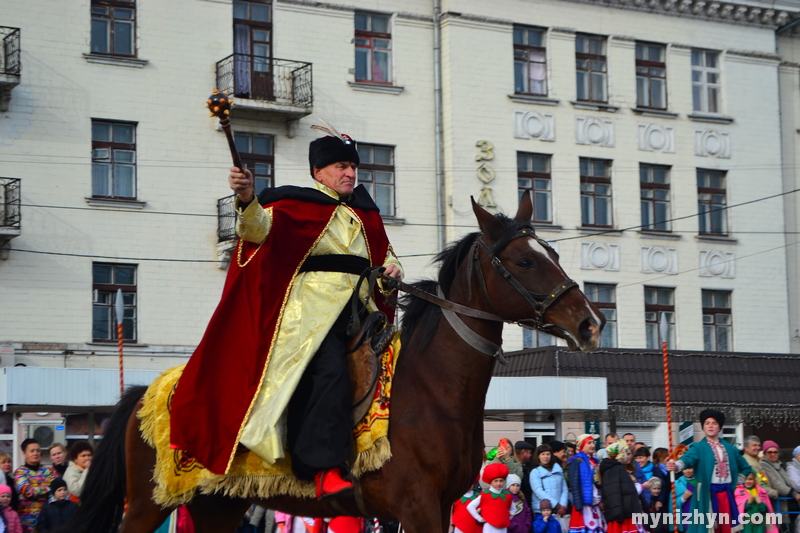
{"x": 587, "y": 329}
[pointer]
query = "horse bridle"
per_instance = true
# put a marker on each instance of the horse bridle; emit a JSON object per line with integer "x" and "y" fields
{"x": 539, "y": 302}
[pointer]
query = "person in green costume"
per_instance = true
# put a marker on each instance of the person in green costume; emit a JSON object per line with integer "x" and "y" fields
{"x": 718, "y": 467}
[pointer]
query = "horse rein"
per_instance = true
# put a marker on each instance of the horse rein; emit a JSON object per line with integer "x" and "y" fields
{"x": 539, "y": 302}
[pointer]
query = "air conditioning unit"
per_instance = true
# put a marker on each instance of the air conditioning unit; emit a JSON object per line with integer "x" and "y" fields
{"x": 47, "y": 434}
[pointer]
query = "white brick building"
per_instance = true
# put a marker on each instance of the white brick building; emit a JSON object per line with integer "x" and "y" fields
{"x": 120, "y": 169}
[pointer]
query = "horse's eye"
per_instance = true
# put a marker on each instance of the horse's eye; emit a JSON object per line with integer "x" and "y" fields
{"x": 525, "y": 264}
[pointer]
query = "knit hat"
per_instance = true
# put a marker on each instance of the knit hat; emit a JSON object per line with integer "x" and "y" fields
{"x": 56, "y": 484}
{"x": 326, "y": 150}
{"x": 796, "y": 451}
{"x": 615, "y": 449}
{"x": 513, "y": 479}
{"x": 493, "y": 471}
{"x": 770, "y": 444}
{"x": 655, "y": 483}
{"x": 712, "y": 413}
{"x": 545, "y": 504}
{"x": 5, "y": 489}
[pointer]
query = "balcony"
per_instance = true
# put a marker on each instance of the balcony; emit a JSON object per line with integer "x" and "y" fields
{"x": 264, "y": 86}
{"x": 226, "y": 230}
{"x": 10, "y": 65}
{"x": 9, "y": 213}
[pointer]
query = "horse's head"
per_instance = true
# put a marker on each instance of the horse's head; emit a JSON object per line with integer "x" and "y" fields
{"x": 522, "y": 280}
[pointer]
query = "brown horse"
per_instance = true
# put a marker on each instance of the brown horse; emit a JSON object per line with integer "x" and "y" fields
{"x": 440, "y": 384}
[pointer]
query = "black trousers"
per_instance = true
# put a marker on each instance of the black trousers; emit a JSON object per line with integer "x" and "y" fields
{"x": 319, "y": 425}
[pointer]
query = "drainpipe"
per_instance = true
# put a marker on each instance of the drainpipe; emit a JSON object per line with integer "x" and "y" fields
{"x": 437, "y": 92}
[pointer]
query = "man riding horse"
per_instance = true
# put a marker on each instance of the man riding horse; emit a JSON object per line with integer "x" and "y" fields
{"x": 270, "y": 370}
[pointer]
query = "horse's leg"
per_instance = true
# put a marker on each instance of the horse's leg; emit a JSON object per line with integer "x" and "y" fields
{"x": 143, "y": 515}
{"x": 217, "y": 514}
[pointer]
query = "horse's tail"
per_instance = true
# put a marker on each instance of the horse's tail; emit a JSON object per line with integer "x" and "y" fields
{"x": 103, "y": 495}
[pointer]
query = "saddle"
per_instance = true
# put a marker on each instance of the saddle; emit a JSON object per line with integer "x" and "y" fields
{"x": 369, "y": 337}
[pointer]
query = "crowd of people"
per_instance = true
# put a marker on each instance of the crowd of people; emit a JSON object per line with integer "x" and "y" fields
{"x": 38, "y": 498}
{"x": 570, "y": 487}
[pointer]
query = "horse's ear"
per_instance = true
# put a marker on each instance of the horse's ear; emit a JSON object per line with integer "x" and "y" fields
{"x": 525, "y": 209}
{"x": 486, "y": 221}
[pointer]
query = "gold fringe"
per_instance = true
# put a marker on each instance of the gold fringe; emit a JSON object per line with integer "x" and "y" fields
{"x": 372, "y": 459}
{"x": 258, "y": 486}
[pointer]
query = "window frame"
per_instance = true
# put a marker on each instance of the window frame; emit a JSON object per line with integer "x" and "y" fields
{"x": 589, "y": 72}
{"x": 372, "y": 184}
{"x": 714, "y": 313}
{"x": 111, "y": 5}
{"x": 111, "y": 146}
{"x": 653, "y": 186}
{"x": 705, "y": 217}
{"x": 527, "y": 49}
{"x": 592, "y": 291}
{"x": 594, "y": 181}
{"x": 657, "y": 309}
{"x": 250, "y": 158}
{"x": 370, "y": 36}
{"x": 648, "y": 66}
{"x": 531, "y": 176}
{"x": 111, "y": 289}
{"x": 704, "y": 71}
{"x": 534, "y": 338}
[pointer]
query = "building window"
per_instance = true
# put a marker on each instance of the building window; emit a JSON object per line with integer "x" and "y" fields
{"x": 106, "y": 280}
{"x": 654, "y": 184}
{"x": 530, "y": 61}
{"x": 257, "y": 155}
{"x": 651, "y": 75}
{"x": 604, "y": 298}
{"x": 533, "y": 338}
{"x": 113, "y": 159}
{"x": 658, "y": 301}
{"x": 595, "y": 192}
{"x": 717, "y": 322}
{"x": 705, "y": 81}
{"x": 113, "y": 27}
{"x": 711, "y": 202}
{"x": 590, "y": 59}
{"x": 376, "y": 173}
{"x": 373, "y": 48}
{"x": 533, "y": 174}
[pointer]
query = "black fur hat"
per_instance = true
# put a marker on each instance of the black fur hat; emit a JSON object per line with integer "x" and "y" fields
{"x": 712, "y": 413}
{"x": 331, "y": 149}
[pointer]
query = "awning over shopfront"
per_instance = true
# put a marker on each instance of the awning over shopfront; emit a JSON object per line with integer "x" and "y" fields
{"x": 65, "y": 389}
{"x": 748, "y": 387}
{"x": 540, "y": 399}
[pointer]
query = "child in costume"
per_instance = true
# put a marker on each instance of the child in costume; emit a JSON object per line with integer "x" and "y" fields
{"x": 521, "y": 515}
{"x": 463, "y": 521}
{"x": 752, "y": 500}
{"x": 493, "y": 507}
{"x": 545, "y": 522}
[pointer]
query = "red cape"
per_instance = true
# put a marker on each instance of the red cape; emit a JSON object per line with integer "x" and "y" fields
{"x": 220, "y": 381}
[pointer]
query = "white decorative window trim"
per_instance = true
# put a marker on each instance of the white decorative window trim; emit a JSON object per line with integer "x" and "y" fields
{"x": 375, "y": 87}
{"x": 600, "y": 256}
{"x": 534, "y": 125}
{"x": 659, "y": 260}
{"x": 712, "y": 143}
{"x": 592, "y": 131}
{"x": 119, "y": 61}
{"x": 715, "y": 263}
{"x": 656, "y": 138}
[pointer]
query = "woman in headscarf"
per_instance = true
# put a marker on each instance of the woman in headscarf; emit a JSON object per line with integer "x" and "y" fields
{"x": 584, "y": 493}
{"x": 619, "y": 490}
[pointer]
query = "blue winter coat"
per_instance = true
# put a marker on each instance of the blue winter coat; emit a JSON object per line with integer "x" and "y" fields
{"x": 548, "y": 485}
{"x": 551, "y": 526}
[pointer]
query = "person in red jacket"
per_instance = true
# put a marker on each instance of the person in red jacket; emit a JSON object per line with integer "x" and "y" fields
{"x": 493, "y": 507}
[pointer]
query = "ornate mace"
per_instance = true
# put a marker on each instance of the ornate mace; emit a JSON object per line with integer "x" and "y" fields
{"x": 219, "y": 104}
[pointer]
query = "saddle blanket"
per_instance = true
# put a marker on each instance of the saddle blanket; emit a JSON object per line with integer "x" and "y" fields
{"x": 179, "y": 477}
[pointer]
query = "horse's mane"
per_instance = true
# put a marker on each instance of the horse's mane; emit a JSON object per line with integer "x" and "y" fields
{"x": 421, "y": 318}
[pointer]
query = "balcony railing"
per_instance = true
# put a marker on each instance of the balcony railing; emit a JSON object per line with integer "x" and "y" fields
{"x": 281, "y": 81}
{"x": 9, "y": 205}
{"x": 226, "y": 218}
{"x": 10, "y": 56}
